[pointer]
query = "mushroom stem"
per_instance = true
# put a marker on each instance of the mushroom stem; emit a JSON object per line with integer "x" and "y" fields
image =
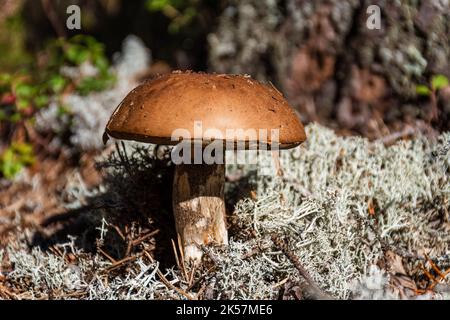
{"x": 199, "y": 207}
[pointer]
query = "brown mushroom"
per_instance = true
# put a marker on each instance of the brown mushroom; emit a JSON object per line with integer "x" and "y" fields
{"x": 220, "y": 103}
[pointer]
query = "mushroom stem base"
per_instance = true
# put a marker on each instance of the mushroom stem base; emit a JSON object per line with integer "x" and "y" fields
{"x": 199, "y": 207}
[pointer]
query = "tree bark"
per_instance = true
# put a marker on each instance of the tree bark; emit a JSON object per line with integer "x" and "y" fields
{"x": 199, "y": 207}
{"x": 331, "y": 65}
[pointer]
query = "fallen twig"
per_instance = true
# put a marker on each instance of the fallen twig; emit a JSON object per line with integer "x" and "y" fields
{"x": 5, "y": 293}
{"x": 442, "y": 276}
{"x": 167, "y": 282}
{"x": 191, "y": 278}
{"x": 310, "y": 290}
{"x": 146, "y": 236}
{"x": 197, "y": 281}
{"x": 120, "y": 263}
{"x": 181, "y": 260}
{"x": 394, "y": 136}
{"x": 119, "y": 232}
{"x": 106, "y": 255}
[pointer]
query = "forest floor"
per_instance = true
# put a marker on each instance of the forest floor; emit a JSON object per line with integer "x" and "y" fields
{"x": 364, "y": 220}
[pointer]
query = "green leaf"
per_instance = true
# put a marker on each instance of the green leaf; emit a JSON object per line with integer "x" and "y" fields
{"x": 22, "y": 148}
{"x": 24, "y": 90}
{"x": 423, "y": 90}
{"x": 15, "y": 158}
{"x": 156, "y": 5}
{"x": 77, "y": 54}
{"x": 5, "y": 78}
{"x": 9, "y": 166}
{"x": 101, "y": 63}
{"x": 15, "y": 117}
{"x": 89, "y": 84}
{"x": 439, "y": 81}
{"x": 22, "y": 104}
{"x": 57, "y": 83}
{"x": 41, "y": 101}
{"x": 90, "y": 42}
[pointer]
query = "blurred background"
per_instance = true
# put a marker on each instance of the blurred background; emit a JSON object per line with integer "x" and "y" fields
{"x": 333, "y": 68}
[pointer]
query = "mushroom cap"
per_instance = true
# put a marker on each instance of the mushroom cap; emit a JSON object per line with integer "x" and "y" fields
{"x": 231, "y": 108}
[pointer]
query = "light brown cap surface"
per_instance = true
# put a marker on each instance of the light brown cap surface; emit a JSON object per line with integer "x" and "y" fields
{"x": 152, "y": 111}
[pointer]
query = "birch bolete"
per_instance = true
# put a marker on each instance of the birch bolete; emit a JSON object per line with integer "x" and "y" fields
{"x": 196, "y": 110}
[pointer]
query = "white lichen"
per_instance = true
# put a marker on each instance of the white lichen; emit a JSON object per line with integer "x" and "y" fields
{"x": 341, "y": 202}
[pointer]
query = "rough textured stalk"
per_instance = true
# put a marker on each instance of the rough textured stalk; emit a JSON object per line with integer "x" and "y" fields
{"x": 199, "y": 207}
